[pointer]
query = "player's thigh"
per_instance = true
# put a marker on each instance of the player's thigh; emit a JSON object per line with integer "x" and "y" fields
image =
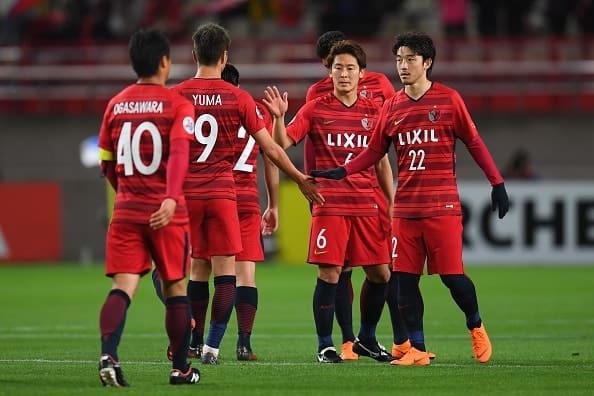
{"x": 197, "y": 213}
{"x": 126, "y": 250}
{"x": 328, "y": 240}
{"x": 367, "y": 243}
{"x": 170, "y": 251}
{"x": 251, "y": 240}
{"x": 408, "y": 247}
{"x": 223, "y": 233}
{"x": 443, "y": 237}
{"x": 214, "y": 228}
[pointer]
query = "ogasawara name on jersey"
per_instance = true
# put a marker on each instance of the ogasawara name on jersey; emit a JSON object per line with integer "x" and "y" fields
{"x": 138, "y": 107}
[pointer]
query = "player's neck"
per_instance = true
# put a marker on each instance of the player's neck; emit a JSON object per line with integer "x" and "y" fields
{"x": 346, "y": 98}
{"x": 157, "y": 80}
{"x": 208, "y": 72}
{"x": 418, "y": 88}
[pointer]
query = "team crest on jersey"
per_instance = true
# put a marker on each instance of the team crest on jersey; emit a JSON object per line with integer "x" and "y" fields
{"x": 367, "y": 124}
{"x": 188, "y": 124}
{"x": 363, "y": 93}
{"x": 434, "y": 115}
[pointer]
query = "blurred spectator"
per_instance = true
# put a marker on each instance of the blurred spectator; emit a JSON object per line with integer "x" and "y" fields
{"x": 15, "y": 18}
{"x": 453, "y": 15}
{"x": 167, "y": 17}
{"x": 585, "y": 16}
{"x": 289, "y": 16}
{"x": 520, "y": 166}
{"x": 558, "y": 13}
{"x": 61, "y": 20}
{"x": 354, "y": 18}
{"x": 503, "y": 17}
{"x": 115, "y": 19}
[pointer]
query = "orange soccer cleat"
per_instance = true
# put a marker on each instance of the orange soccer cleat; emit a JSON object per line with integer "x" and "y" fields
{"x": 347, "y": 351}
{"x": 481, "y": 345}
{"x": 399, "y": 350}
{"x": 413, "y": 357}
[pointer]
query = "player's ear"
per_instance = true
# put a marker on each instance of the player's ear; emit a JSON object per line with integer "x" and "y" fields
{"x": 194, "y": 57}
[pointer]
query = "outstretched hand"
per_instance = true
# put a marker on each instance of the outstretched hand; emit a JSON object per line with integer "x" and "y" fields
{"x": 310, "y": 191}
{"x": 277, "y": 104}
{"x": 499, "y": 200}
{"x": 335, "y": 173}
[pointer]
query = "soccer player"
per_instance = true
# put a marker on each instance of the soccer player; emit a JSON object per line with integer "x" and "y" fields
{"x": 348, "y": 224}
{"x": 220, "y": 110}
{"x": 423, "y": 121}
{"x": 252, "y": 225}
{"x": 144, "y": 150}
{"x": 377, "y": 87}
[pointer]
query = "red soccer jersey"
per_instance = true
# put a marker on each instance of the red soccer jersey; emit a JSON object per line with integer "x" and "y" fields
{"x": 244, "y": 171}
{"x": 373, "y": 85}
{"x": 424, "y": 134}
{"x": 338, "y": 133}
{"x": 221, "y": 109}
{"x": 137, "y": 127}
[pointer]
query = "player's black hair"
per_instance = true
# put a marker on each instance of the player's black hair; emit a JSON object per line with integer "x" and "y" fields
{"x": 348, "y": 47}
{"x": 420, "y": 43}
{"x": 230, "y": 74}
{"x": 210, "y": 42}
{"x": 326, "y": 41}
{"x": 146, "y": 48}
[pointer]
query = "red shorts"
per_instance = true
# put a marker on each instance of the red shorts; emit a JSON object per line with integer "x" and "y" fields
{"x": 214, "y": 228}
{"x": 360, "y": 238}
{"x": 250, "y": 225}
{"x": 438, "y": 240}
{"x": 130, "y": 248}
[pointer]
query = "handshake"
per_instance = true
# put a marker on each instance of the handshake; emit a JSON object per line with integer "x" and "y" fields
{"x": 499, "y": 198}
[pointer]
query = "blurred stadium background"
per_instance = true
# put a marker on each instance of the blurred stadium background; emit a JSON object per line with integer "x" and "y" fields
{"x": 524, "y": 67}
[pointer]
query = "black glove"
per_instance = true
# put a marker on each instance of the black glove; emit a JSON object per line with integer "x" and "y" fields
{"x": 336, "y": 173}
{"x": 499, "y": 200}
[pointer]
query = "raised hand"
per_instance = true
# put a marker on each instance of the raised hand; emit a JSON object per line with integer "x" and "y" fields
{"x": 277, "y": 104}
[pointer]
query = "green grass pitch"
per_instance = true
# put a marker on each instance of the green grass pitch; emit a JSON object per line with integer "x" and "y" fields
{"x": 540, "y": 320}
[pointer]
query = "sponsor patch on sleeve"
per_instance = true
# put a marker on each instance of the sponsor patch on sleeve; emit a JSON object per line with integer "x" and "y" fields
{"x": 188, "y": 124}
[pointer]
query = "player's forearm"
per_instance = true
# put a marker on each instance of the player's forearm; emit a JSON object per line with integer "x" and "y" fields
{"x": 363, "y": 161}
{"x": 177, "y": 167}
{"x": 385, "y": 177}
{"x": 279, "y": 132}
{"x": 271, "y": 179}
{"x": 278, "y": 156}
{"x": 481, "y": 155}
